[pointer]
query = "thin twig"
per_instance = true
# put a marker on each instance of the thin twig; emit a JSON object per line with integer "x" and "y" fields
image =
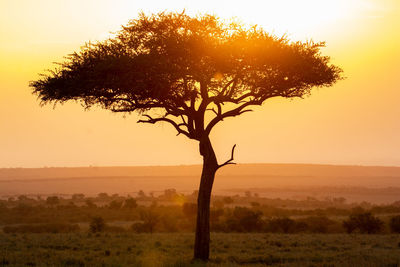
{"x": 229, "y": 161}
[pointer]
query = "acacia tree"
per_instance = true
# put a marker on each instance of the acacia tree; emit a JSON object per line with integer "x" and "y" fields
{"x": 193, "y": 72}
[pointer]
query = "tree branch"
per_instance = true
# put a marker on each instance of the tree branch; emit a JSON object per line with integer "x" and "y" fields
{"x": 229, "y": 161}
{"x": 213, "y": 110}
{"x": 227, "y": 85}
{"x": 177, "y": 126}
{"x": 231, "y": 113}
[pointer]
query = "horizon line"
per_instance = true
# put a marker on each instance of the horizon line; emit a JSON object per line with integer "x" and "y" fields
{"x": 199, "y": 164}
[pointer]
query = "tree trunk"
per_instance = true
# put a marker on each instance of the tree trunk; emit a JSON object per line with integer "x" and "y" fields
{"x": 210, "y": 166}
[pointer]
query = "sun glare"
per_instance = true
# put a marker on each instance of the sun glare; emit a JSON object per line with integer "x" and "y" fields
{"x": 299, "y": 19}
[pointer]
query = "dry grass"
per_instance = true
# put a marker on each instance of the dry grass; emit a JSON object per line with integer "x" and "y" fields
{"x": 175, "y": 250}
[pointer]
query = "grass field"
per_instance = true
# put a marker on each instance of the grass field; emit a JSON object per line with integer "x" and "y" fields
{"x": 128, "y": 249}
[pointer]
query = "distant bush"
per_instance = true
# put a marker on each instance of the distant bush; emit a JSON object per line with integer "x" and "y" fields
{"x": 189, "y": 210}
{"x": 97, "y": 224}
{"x": 311, "y": 224}
{"x": 42, "y": 228}
{"x": 52, "y": 201}
{"x": 149, "y": 220}
{"x": 130, "y": 203}
{"x": 363, "y": 222}
{"x": 228, "y": 200}
{"x": 78, "y": 197}
{"x": 395, "y": 224}
{"x": 244, "y": 220}
{"x": 318, "y": 224}
{"x": 89, "y": 203}
{"x": 169, "y": 223}
{"x": 115, "y": 205}
{"x": 281, "y": 225}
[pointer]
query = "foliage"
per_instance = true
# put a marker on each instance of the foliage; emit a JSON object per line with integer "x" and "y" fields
{"x": 97, "y": 224}
{"x": 395, "y": 224}
{"x": 296, "y": 217}
{"x": 243, "y": 219}
{"x": 318, "y": 224}
{"x": 130, "y": 203}
{"x": 281, "y": 225}
{"x": 185, "y": 66}
{"x": 189, "y": 210}
{"x": 363, "y": 222}
{"x": 228, "y": 200}
{"x": 53, "y": 200}
{"x": 149, "y": 221}
{"x": 78, "y": 196}
{"x": 115, "y": 204}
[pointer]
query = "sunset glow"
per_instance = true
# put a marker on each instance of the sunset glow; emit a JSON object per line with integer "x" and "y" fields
{"x": 354, "y": 122}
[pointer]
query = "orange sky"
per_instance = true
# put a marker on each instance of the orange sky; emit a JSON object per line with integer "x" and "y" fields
{"x": 354, "y": 122}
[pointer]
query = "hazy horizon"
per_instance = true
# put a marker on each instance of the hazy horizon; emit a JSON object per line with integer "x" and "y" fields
{"x": 199, "y": 165}
{"x": 287, "y": 181}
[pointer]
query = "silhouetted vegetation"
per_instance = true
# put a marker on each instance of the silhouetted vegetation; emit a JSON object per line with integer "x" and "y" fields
{"x": 186, "y": 68}
{"x": 395, "y": 224}
{"x": 364, "y": 222}
{"x": 97, "y": 224}
{"x": 109, "y": 229}
{"x": 171, "y": 211}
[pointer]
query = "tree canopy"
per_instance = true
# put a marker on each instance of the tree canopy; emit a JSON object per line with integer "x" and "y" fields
{"x": 186, "y": 68}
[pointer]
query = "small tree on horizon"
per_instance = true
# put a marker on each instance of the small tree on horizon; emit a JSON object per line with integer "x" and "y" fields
{"x": 192, "y": 73}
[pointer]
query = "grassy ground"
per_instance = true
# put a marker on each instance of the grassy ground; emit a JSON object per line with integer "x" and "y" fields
{"x": 175, "y": 250}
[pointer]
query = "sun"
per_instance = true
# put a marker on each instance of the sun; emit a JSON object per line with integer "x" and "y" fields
{"x": 300, "y": 19}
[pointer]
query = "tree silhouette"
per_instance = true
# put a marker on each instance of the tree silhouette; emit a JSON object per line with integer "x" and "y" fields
{"x": 193, "y": 72}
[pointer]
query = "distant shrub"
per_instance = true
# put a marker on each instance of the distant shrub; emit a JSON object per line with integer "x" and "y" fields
{"x": 42, "y": 228}
{"x": 364, "y": 222}
{"x": 169, "y": 223}
{"x": 170, "y": 195}
{"x": 138, "y": 227}
{"x": 349, "y": 225}
{"x": 89, "y": 203}
{"x": 149, "y": 220}
{"x": 97, "y": 224}
{"x": 23, "y": 209}
{"x": 78, "y": 197}
{"x": 52, "y": 201}
{"x": 244, "y": 220}
{"x": 215, "y": 215}
{"x": 130, "y": 203}
{"x": 281, "y": 225}
{"x": 115, "y": 205}
{"x": 395, "y": 224}
{"x": 218, "y": 204}
{"x": 228, "y": 200}
{"x": 318, "y": 224}
{"x": 189, "y": 210}
{"x": 102, "y": 196}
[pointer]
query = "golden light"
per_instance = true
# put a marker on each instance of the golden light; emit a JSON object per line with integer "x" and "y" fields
{"x": 361, "y": 35}
{"x": 218, "y": 76}
{"x": 300, "y": 19}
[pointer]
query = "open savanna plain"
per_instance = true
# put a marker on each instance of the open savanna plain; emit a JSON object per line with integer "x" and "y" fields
{"x": 175, "y": 249}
